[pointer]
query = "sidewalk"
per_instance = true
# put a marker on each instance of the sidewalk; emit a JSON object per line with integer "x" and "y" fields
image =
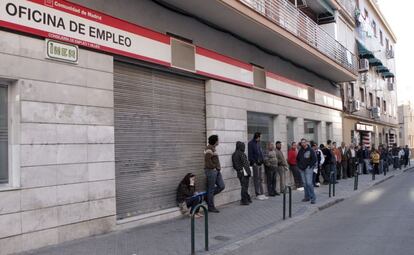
{"x": 233, "y": 226}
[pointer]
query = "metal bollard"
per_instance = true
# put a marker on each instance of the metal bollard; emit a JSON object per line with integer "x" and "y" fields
{"x": 356, "y": 180}
{"x": 193, "y": 226}
{"x": 290, "y": 202}
{"x": 332, "y": 184}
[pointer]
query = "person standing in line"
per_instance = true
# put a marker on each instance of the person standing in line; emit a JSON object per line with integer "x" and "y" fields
{"x": 333, "y": 164}
{"x": 215, "y": 182}
{"x": 375, "y": 159}
{"x": 406, "y": 155}
{"x": 256, "y": 161}
{"x": 320, "y": 160}
{"x": 338, "y": 158}
{"x": 401, "y": 156}
{"x": 306, "y": 163}
{"x": 366, "y": 159}
{"x": 384, "y": 155}
{"x": 270, "y": 162}
{"x": 241, "y": 165}
{"x": 292, "y": 153}
{"x": 344, "y": 161}
{"x": 326, "y": 166}
{"x": 395, "y": 152}
{"x": 352, "y": 161}
{"x": 282, "y": 166}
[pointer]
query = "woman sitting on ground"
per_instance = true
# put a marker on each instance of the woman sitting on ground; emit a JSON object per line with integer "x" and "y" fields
{"x": 187, "y": 198}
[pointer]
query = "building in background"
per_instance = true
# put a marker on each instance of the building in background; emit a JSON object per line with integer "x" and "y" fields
{"x": 370, "y": 103}
{"x": 406, "y": 122}
{"x": 100, "y": 123}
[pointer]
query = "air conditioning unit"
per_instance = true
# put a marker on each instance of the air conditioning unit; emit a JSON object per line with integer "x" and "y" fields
{"x": 356, "y": 105}
{"x": 363, "y": 65}
{"x": 390, "y": 53}
{"x": 363, "y": 77}
{"x": 376, "y": 112}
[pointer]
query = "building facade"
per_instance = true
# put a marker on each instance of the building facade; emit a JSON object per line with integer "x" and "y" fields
{"x": 370, "y": 103}
{"x": 406, "y": 122}
{"x": 106, "y": 105}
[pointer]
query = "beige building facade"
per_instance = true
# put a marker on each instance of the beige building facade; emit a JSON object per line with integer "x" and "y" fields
{"x": 406, "y": 122}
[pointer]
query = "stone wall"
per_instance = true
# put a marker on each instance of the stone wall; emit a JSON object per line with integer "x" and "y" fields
{"x": 63, "y": 146}
{"x": 227, "y": 107}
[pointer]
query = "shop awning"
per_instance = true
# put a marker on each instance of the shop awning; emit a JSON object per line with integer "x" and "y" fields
{"x": 364, "y": 52}
{"x": 375, "y": 62}
{"x": 382, "y": 69}
{"x": 388, "y": 75}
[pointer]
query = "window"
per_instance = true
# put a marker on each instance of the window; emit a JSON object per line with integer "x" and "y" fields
{"x": 371, "y": 100}
{"x": 385, "y": 105}
{"x": 374, "y": 28}
{"x": 378, "y": 102}
{"x": 4, "y": 144}
{"x": 366, "y": 14}
{"x": 362, "y": 94}
{"x": 387, "y": 44}
{"x": 352, "y": 89}
{"x": 310, "y": 130}
{"x": 381, "y": 38}
{"x": 263, "y": 123}
{"x": 329, "y": 131}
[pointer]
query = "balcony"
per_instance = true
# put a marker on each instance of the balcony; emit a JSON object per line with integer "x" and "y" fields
{"x": 277, "y": 26}
{"x": 287, "y": 16}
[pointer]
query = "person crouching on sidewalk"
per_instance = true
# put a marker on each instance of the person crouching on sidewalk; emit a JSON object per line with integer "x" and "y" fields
{"x": 306, "y": 161}
{"x": 187, "y": 198}
{"x": 241, "y": 165}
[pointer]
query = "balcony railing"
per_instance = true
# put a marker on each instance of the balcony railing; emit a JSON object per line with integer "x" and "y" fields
{"x": 349, "y": 6}
{"x": 287, "y": 16}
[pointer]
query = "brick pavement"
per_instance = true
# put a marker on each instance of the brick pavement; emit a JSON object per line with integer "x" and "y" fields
{"x": 232, "y": 225}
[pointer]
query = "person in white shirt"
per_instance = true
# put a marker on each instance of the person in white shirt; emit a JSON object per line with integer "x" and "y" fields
{"x": 318, "y": 165}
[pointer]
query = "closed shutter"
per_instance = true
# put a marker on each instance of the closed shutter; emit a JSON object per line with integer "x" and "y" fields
{"x": 160, "y": 135}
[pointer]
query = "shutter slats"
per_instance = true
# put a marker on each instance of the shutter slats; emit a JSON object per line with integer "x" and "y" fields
{"x": 160, "y": 133}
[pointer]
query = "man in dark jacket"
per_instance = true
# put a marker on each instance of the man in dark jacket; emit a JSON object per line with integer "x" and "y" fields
{"x": 215, "y": 183}
{"x": 395, "y": 151}
{"x": 328, "y": 164}
{"x": 241, "y": 165}
{"x": 406, "y": 155}
{"x": 256, "y": 161}
{"x": 307, "y": 161}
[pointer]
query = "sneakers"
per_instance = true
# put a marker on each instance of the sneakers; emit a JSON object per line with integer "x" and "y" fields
{"x": 305, "y": 200}
{"x": 301, "y": 189}
{"x": 261, "y": 197}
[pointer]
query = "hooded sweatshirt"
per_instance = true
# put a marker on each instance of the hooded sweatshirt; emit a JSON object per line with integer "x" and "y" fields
{"x": 239, "y": 159}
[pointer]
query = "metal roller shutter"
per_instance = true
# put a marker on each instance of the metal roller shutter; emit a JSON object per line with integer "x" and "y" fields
{"x": 160, "y": 134}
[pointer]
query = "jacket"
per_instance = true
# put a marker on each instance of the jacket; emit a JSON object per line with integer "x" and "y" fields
{"x": 320, "y": 160}
{"x": 292, "y": 157}
{"x": 239, "y": 160}
{"x": 184, "y": 192}
{"x": 255, "y": 153}
{"x": 344, "y": 155}
{"x": 327, "y": 153}
{"x": 338, "y": 155}
{"x": 306, "y": 158}
{"x": 211, "y": 158}
{"x": 375, "y": 157}
{"x": 270, "y": 160}
{"x": 281, "y": 161}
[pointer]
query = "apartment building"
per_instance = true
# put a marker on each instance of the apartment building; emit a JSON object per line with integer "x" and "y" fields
{"x": 106, "y": 105}
{"x": 406, "y": 122}
{"x": 370, "y": 103}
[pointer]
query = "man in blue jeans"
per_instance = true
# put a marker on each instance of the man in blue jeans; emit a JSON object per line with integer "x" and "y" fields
{"x": 215, "y": 183}
{"x": 306, "y": 161}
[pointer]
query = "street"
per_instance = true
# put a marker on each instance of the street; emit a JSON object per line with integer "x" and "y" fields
{"x": 377, "y": 221}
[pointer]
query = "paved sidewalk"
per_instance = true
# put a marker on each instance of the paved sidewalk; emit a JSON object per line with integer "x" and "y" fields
{"x": 234, "y": 225}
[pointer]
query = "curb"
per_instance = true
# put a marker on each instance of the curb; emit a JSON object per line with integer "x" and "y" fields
{"x": 284, "y": 225}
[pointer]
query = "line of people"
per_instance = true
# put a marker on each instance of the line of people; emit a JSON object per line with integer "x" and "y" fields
{"x": 307, "y": 163}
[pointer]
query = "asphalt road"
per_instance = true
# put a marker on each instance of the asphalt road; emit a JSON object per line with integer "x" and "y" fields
{"x": 377, "y": 221}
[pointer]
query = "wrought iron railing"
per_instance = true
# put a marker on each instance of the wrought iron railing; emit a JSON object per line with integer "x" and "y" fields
{"x": 287, "y": 16}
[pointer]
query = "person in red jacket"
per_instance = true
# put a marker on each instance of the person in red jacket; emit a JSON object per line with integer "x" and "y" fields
{"x": 292, "y": 153}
